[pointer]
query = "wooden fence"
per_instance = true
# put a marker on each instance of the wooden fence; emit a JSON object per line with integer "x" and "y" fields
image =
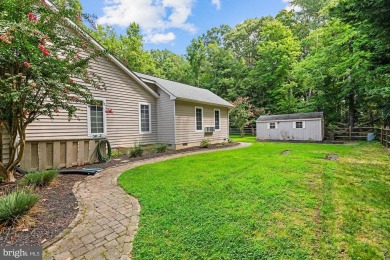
{"x": 247, "y": 131}
{"x": 353, "y": 133}
{"x": 385, "y": 136}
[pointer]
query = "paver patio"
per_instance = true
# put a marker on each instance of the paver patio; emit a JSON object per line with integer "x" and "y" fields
{"x": 108, "y": 217}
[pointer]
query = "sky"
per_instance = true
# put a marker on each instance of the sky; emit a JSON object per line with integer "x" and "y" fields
{"x": 172, "y": 24}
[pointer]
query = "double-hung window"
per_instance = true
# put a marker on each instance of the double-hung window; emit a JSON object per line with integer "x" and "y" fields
{"x": 217, "y": 119}
{"x": 145, "y": 124}
{"x": 272, "y": 125}
{"x": 199, "y": 119}
{"x": 97, "y": 118}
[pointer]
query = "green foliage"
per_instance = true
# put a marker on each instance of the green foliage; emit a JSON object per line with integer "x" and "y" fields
{"x": 127, "y": 47}
{"x": 160, "y": 148}
{"x": 135, "y": 151}
{"x": 43, "y": 68}
{"x": 255, "y": 202}
{"x": 16, "y": 204}
{"x": 243, "y": 114}
{"x": 205, "y": 143}
{"x": 38, "y": 179}
{"x": 116, "y": 154}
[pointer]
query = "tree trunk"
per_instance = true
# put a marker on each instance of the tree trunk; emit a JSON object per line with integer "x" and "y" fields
{"x": 351, "y": 109}
{"x": 8, "y": 175}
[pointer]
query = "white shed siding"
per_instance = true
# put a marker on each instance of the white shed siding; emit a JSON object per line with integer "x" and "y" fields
{"x": 286, "y": 131}
{"x": 5, "y": 151}
{"x": 165, "y": 119}
{"x": 123, "y": 95}
{"x": 185, "y": 123}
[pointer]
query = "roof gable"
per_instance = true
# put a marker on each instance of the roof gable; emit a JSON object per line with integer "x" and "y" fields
{"x": 311, "y": 115}
{"x": 111, "y": 57}
{"x": 186, "y": 92}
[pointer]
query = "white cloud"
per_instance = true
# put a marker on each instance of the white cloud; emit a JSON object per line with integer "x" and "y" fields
{"x": 216, "y": 3}
{"x": 290, "y": 6}
{"x": 155, "y": 17}
{"x": 160, "y": 37}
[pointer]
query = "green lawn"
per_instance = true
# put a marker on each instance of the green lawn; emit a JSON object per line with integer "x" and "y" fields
{"x": 256, "y": 203}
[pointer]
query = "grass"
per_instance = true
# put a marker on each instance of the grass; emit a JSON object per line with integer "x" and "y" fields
{"x": 256, "y": 203}
{"x": 15, "y": 204}
{"x": 38, "y": 179}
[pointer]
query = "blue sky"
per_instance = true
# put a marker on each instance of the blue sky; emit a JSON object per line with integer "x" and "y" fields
{"x": 172, "y": 24}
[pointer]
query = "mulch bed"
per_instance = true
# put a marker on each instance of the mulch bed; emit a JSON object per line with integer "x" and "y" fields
{"x": 124, "y": 159}
{"x": 58, "y": 206}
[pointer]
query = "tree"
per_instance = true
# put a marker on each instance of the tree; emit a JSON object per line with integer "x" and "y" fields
{"x": 43, "y": 70}
{"x": 243, "y": 114}
{"x": 127, "y": 47}
{"x": 278, "y": 51}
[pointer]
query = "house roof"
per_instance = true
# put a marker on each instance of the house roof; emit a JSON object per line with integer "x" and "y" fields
{"x": 311, "y": 115}
{"x": 110, "y": 57}
{"x": 186, "y": 92}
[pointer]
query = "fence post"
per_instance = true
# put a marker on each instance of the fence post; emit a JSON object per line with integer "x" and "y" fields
{"x": 350, "y": 132}
{"x": 382, "y": 134}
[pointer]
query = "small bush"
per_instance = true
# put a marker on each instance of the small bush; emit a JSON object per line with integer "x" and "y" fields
{"x": 160, "y": 148}
{"x": 135, "y": 151}
{"x": 224, "y": 143}
{"x": 16, "y": 204}
{"x": 230, "y": 141}
{"x": 38, "y": 179}
{"x": 116, "y": 154}
{"x": 205, "y": 143}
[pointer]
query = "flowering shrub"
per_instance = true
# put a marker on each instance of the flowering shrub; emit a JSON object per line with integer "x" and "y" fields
{"x": 39, "y": 60}
{"x": 243, "y": 113}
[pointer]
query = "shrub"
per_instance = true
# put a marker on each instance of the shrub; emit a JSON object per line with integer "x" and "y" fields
{"x": 116, "y": 154}
{"x": 135, "y": 151}
{"x": 16, "y": 204}
{"x": 38, "y": 179}
{"x": 230, "y": 141}
{"x": 205, "y": 143}
{"x": 160, "y": 148}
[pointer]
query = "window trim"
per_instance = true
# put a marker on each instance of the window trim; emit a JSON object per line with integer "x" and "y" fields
{"x": 219, "y": 119}
{"x": 295, "y": 124}
{"x": 104, "y": 119}
{"x": 150, "y": 117}
{"x": 269, "y": 125}
{"x": 196, "y": 129}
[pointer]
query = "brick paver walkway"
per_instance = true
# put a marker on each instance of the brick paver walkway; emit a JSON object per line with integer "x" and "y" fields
{"x": 108, "y": 217}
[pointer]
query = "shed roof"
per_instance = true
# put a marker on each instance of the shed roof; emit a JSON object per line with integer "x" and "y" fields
{"x": 291, "y": 116}
{"x": 186, "y": 92}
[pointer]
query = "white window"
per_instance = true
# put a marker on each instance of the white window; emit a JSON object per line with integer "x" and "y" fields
{"x": 199, "y": 119}
{"x": 272, "y": 125}
{"x": 97, "y": 118}
{"x": 145, "y": 118}
{"x": 299, "y": 124}
{"x": 217, "y": 119}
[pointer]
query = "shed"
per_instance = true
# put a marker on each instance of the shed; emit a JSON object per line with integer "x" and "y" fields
{"x": 290, "y": 127}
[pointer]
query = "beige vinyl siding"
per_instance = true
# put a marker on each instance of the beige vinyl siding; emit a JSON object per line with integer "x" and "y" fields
{"x": 5, "y": 150}
{"x": 122, "y": 95}
{"x": 166, "y": 119}
{"x": 185, "y": 123}
{"x": 286, "y": 131}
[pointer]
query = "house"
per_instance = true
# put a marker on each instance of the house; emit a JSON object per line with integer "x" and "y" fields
{"x": 299, "y": 127}
{"x": 134, "y": 109}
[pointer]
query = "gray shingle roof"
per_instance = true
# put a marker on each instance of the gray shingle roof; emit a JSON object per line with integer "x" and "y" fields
{"x": 291, "y": 116}
{"x": 187, "y": 92}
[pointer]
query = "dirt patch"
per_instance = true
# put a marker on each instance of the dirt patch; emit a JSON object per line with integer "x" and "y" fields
{"x": 332, "y": 157}
{"x": 285, "y": 152}
{"x": 56, "y": 209}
